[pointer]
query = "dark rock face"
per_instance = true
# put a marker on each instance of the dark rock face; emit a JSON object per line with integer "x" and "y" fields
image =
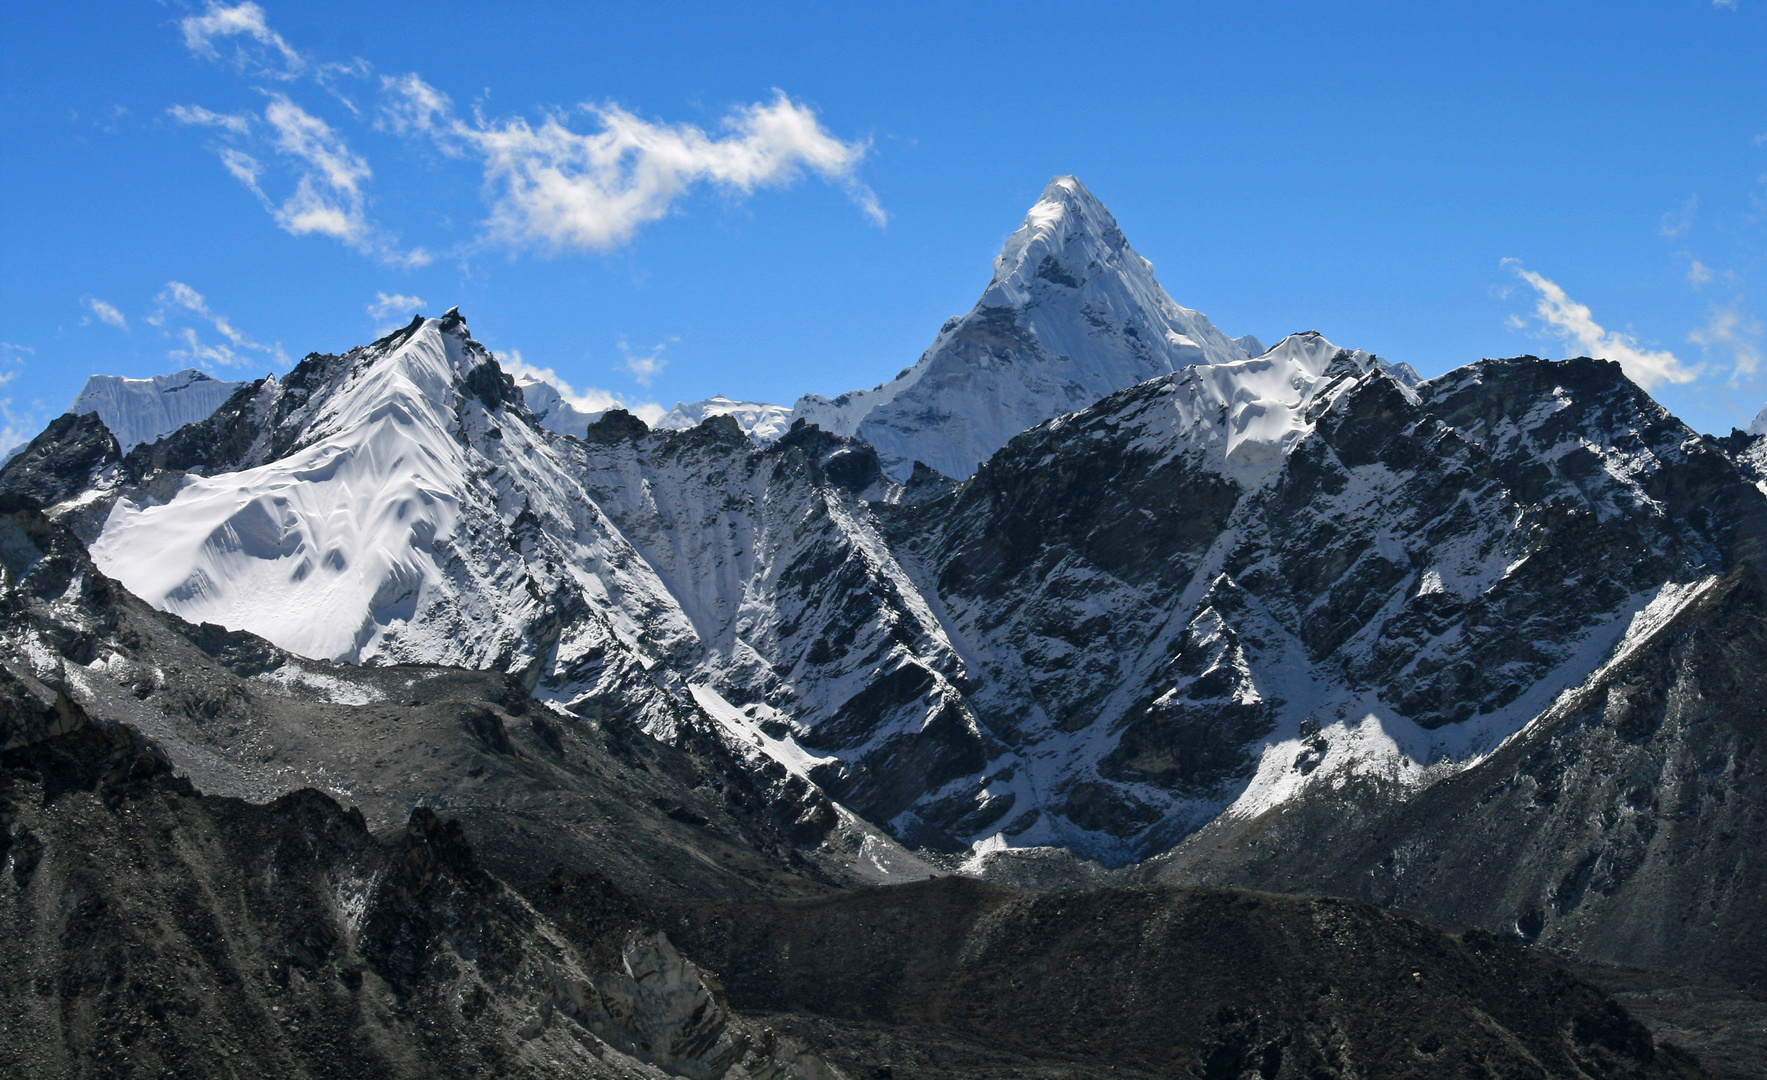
{"x": 1166, "y": 982}
{"x": 1625, "y": 825}
{"x": 62, "y": 461}
{"x": 532, "y": 787}
{"x": 157, "y": 931}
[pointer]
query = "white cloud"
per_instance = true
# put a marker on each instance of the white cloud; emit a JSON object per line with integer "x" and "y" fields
{"x": 557, "y": 188}
{"x": 179, "y": 302}
{"x": 243, "y": 21}
{"x": 1575, "y": 324}
{"x": 553, "y": 187}
{"x": 328, "y": 196}
{"x": 589, "y": 400}
{"x": 106, "y": 313}
{"x": 549, "y": 187}
{"x": 395, "y": 303}
{"x": 644, "y": 368}
{"x": 1731, "y": 331}
{"x": 245, "y": 168}
{"x": 197, "y": 116}
{"x": 412, "y": 106}
{"x": 1731, "y": 4}
{"x": 1698, "y": 274}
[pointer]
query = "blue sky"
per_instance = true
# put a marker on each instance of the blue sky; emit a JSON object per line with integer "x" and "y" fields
{"x": 801, "y": 193}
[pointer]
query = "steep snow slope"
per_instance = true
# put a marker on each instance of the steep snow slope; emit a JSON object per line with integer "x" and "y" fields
{"x": 758, "y": 420}
{"x": 1758, "y": 426}
{"x": 141, "y": 410}
{"x": 397, "y": 503}
{"x": 1072, "y": 314}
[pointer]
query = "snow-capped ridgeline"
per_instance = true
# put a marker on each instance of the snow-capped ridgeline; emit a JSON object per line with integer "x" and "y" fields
{"x": 758, "y": 420}
{"x": 417, "y": 516}
{"x": 1071, "y": 314}
{"x": 1184, "y": 579}
{"x": 1758, "y": 426}
{"x": 1244, "y": 416}
{"x": 142, "y": 410}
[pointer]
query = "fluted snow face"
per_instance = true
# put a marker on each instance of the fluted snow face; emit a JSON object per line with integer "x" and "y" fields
{"x": 1072, "y": 314}
{"x": 142, "y": 410}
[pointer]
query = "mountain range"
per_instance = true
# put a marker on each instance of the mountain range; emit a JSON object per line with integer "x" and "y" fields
{"x": 1091, "y": 597}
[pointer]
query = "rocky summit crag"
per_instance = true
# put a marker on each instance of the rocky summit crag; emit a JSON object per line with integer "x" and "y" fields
{"x": 1090, "y": 597}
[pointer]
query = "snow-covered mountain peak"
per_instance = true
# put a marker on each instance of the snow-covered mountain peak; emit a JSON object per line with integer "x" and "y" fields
{"x": 1071, "y": 314}
{"x": 141, "y": 410}
{"x": 1064, "y": 237}
{"x": 1315, "y": 354}
{"x": 1758, "y": 426}
{"x": 758, "y": 420}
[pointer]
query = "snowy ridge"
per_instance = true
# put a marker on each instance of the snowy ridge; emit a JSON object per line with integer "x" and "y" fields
{"x": 1071, "y": 314}
{"x": 551, "y": 409}
{"x": 758, "y": 420}
{"x": 402, "y": 503}
{"x": 142, "y": 410}
{"x": 394, "y": 528}
{"x": 1758, "y": 426}
{"x": 1243, "y": 417}
{"x": 1195, "y": 582}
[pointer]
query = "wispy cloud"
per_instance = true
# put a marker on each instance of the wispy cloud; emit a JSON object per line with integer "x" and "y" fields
{"x": 328, "y": 197}
{"x": 1575, "y": 324}
{"x": 645, "y": 367}
{"x": 1731, "y": 4}
{"x": 197, "y": 116}
{"x": 411, "y": 106}
{"x": 588, "y": 400}
{"x": 394, "y": 303}
{"x": 178, "y": 304}
{"x": 1698, "y": 274}
{"x": 1676, "y": 222}
{"x": 555, "y": 188}
{"x": 330, "y": 180}
{"x": 1735, "y": 334}
{"x": 17, "y": 427}
{"x": 549, "y": 186}
{"x": 106, "y": 313}
{"x": 246, "y": 34}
